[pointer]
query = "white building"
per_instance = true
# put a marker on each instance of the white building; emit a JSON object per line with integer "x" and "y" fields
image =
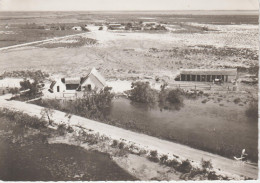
{"x": 77, "y": 28}
{"x": 77, "y": 86}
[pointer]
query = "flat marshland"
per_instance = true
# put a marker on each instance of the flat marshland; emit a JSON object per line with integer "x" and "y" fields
{"x": 216, "y": 121}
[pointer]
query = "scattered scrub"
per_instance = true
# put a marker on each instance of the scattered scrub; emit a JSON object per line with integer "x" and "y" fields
{"x": 24, "y": 119}
{"x": 35, "y": 75}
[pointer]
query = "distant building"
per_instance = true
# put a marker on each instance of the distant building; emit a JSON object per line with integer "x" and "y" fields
{"x": 208, "y": 75}
{"x": 115, "y": 26}
{"x": 77, "y": 28}
{"x": 92, "y": 81}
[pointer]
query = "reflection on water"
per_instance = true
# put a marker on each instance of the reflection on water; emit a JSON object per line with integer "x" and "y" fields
{"x": 222, "y": 130}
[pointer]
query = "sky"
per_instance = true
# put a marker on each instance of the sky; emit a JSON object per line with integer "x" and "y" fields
{"x": 130, "y": 5}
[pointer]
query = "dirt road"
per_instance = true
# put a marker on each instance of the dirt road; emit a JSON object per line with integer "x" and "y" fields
{"x": 226, "y": 166}
{"x": 37, "y": 42}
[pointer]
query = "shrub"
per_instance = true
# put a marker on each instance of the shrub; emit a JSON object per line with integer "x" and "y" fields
{"x": 172, "y": 163}
{"x": 142, "y": 92}
{"x": 194, "y": 172}
{"x": 204, "y": 101}
{"x": 163, "y": 159}
{"x": 237, "y": 100}
{"x": 70, "y": 129}
{"x": 115, "y": 143}
{"x": 62, "y": 129}
{"x": 121, "y": 145}
{"x": 88, "y": 138}
{"x": 153, "y": 156}
{"x": 206, "y": 165}
{"x": 212, "y": 176}
{"x": 184, "y": 167}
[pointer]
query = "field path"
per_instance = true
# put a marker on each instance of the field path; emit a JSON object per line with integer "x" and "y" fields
{"x": 227, "y": 166}
{"x": 42, "y": 41}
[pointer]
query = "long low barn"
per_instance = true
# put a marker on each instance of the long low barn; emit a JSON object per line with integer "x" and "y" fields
{"x": 208, "y": 75}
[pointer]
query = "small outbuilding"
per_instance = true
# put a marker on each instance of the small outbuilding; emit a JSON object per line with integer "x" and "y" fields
{"x": 208, "y": 75}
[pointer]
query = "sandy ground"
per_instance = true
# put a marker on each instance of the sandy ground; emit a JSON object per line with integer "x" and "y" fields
{"x": 126, "y": 55}
{"x": 222, "y": 165}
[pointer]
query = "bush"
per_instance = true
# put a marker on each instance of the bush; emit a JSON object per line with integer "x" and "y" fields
{"x": 252, "y": 110}
{"x": 237, "y": 100}
{"x": 62, "y": 129}
{"x": 212, "y": 176}
{"x": 115, "y": 143}
{"x": 142, "y": 92}
{"x": 184, "y": 167}
{"x": 121, "y": 145}
{"x": 206, "y": 165}
{"x": 153, "y": 156}
{"x": 70, "y": 129}
{"x": 172, "y": 163}
{"x": 94, "y": 105}
{"x": 204, "y": 101}
{"x": 163, "y": 159}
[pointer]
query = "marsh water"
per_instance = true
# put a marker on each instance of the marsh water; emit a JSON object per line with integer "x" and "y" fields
{"x": 223, "y": 130}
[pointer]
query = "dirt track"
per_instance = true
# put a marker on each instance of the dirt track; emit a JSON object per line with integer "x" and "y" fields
{"x": 227, "y": 166}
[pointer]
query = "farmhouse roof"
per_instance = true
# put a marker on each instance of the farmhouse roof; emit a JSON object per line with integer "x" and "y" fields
{"x": 72, "y": 80}
{"x": 227, "y": 72}
{"x": 95, "y": 73}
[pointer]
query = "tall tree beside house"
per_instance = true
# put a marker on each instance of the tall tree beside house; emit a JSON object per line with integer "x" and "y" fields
{"x": 33, "y": 88}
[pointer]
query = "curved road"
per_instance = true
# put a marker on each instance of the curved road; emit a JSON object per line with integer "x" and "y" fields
{"x": 226, "y": 166}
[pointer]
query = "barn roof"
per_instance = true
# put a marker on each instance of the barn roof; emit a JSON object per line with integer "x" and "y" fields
{"x": 227, "y": 72}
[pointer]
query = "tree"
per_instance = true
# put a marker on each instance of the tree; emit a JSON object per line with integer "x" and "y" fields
{"x": 34, "y": 88}
{"x": 174, "y": 96}
{"x": 142, "y": 92}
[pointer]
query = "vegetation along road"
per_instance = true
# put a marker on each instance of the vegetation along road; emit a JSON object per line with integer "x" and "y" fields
{"x": 227, "y": 166}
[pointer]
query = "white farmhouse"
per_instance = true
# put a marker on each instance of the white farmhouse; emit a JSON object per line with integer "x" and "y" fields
{"x": 77, "y": 86}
